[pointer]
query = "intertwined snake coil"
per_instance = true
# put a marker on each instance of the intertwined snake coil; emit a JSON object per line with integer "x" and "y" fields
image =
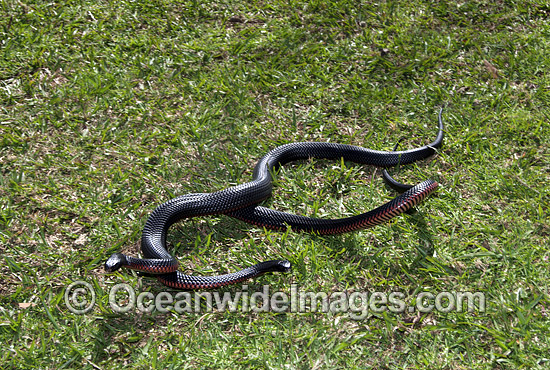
{"x": 242, "y": 201}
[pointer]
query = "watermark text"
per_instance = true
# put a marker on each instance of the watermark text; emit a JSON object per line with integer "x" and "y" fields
{"x": 80, "y": 298}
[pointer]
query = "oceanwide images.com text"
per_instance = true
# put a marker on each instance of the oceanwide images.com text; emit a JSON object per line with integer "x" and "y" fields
{"x": 80, "y": 298}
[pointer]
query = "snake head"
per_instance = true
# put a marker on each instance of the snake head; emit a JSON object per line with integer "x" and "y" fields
{"x": 273, "y": 266}
{"x": 115, "y": 262}
{"x": 284, "y": 266}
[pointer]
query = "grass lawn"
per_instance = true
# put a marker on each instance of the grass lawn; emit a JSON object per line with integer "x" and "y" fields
{"x": 109, "y": 108}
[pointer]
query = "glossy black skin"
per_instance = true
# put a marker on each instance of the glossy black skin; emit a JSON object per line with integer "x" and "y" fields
{"x": 241, "y": 202}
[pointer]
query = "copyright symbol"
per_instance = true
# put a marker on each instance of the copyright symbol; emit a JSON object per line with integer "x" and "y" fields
{"x": 80, "y": 297}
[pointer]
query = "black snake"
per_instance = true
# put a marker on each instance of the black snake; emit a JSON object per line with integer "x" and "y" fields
{"x": 241, "y": 202}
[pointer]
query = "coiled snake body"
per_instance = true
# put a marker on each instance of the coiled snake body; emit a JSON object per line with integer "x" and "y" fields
{"x": 241, "y": 202}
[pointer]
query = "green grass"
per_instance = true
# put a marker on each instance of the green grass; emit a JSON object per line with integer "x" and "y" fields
{"x": 108, "y": 109}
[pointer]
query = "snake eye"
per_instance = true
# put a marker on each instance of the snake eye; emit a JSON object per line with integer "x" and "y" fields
{"x": 115, "y": 262}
